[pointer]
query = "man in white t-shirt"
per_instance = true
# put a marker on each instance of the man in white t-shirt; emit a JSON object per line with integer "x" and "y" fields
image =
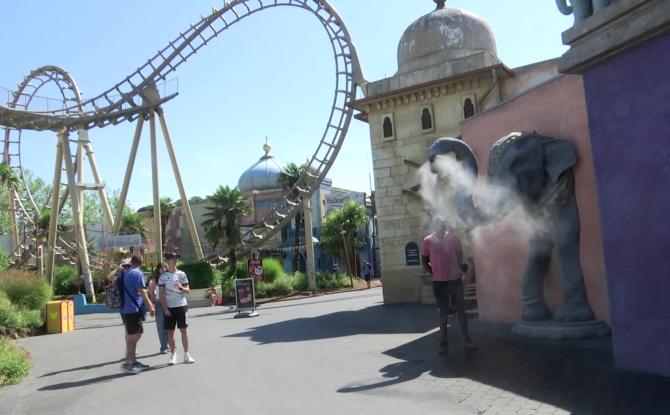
{"x": 173, "y": 287}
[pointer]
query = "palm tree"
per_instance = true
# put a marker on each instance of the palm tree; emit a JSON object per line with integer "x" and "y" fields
{"x": 227, "y": 207}
{"x": 287, "y": 178}
{"x": 132, "y": 224}
{"x": 168, "y": 207}
{"x": 339, "y": 233}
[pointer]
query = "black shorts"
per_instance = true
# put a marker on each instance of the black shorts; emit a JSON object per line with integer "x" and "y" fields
{"x": 177, "y": 318}
{"x": 449, "y": 291}
{"x": 133, "y": 323}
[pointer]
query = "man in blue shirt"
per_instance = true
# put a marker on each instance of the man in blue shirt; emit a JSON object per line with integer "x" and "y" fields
{"x": 132, "y": 313}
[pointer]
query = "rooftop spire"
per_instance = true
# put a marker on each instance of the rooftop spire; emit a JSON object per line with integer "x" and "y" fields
{"x": 267, "y": 147}
{"x": 440, "y": 4}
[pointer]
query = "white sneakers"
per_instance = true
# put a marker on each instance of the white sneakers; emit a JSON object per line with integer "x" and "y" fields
{"x": 173, "y": 359}
{"x": 187, "y": 359}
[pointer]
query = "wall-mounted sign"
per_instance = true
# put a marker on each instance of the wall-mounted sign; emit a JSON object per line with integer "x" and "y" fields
{"x": 255, "y": 269}
{"x": 151, "y": 259}
{"x": 119, "y": 241}
{"x": 337, "y": 200}
{"x": 412, "y": 256}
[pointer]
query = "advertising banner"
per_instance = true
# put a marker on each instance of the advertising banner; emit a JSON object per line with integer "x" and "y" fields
{"x": 245, "y": 294}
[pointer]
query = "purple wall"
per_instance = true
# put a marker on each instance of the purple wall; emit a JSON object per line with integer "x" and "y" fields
{"x": 628, "y": 100}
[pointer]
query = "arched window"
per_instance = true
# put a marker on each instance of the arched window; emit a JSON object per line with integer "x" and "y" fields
{"x": 388, "y": 127}
{"x": 468, "y": 109}
{"x": 426, "y": 119}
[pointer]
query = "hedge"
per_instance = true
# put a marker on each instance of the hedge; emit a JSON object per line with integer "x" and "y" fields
{"x": 25, "y": 290}
{"x": 14, "y": 363}
{"x": 200, "y": 274}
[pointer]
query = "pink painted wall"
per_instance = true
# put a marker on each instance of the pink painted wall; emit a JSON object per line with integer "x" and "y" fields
{"x": 555, "y": 109}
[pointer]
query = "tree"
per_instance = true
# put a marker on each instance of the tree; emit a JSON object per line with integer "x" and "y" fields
{"x": 340, "y": 230}
{"x": 8, "y": 178}
{"x": 227, "y": 207}
{"x": 168, "y": 207}
{"x": 131, "y": 224}
{"x": 287, "y": 179}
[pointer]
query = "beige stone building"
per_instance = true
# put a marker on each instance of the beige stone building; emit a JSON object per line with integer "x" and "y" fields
{"x": 448, "y": 71}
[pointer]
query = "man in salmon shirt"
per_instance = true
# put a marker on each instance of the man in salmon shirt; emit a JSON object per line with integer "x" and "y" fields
{"x": 442, "y": 256}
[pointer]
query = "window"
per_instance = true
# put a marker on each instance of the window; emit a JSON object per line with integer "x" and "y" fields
{"x": 426, "y": 119}
{"x": 468, "y": 108}
{"x": 388, "y": 127}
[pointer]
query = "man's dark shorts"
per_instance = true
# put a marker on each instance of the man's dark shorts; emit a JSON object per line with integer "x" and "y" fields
{"x": 446, "y": 290}
{"x": 177, "y": 319}
{"x": 133, "y": 323}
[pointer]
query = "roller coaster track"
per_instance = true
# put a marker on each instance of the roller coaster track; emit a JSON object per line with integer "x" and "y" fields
{"x": 22, "y": 204}
{"x": 132, "y": 98}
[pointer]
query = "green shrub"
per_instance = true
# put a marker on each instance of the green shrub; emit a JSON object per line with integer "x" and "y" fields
{"x": 200, "y": 274}
{"x": 327, "y": 281}
{"x": 262, "y": 289}
{"x": 282, "y": 286}
{"x": 64, "y": 280}
{"x": 4, "y": 261}
{"x": 272, "y": 270}
{"x": 228, "y": 288}
{"x": 300, "y": 282}
{"x": 25, "y": 290}
{"x": 242, "y": 269}
{"x": 14, "y": 363}
{"x": 16, "y": 318}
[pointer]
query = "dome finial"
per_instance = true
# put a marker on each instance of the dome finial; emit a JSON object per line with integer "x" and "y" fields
{"x": 267, "y": 147}
{"x": 440, "y": 4}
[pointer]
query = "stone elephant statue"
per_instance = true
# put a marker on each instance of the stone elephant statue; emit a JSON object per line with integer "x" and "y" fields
{"x": 582, "y": 8}
{"x": 537, "y": 170}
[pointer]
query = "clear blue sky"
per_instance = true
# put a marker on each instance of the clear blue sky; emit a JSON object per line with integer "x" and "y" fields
{"x": 270, "y": 75}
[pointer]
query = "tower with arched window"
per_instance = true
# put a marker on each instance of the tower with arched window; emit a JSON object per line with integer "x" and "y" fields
{"x": 448, "y": 71}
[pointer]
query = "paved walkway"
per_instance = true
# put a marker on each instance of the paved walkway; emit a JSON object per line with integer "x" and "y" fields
{"x": 336, "y": 354}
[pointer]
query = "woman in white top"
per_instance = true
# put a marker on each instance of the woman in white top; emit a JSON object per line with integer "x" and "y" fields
{"x": 155, "y": 298}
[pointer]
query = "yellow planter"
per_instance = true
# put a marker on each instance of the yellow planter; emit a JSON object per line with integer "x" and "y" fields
{"x": 60, "y": 316}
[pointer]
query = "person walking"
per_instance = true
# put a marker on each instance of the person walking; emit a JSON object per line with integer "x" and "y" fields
{"x": 135, "y": 304}
{"x": 367, "y": 272}
{"x": 173, "y": 287}
{"x": 442, "y": 256}
{"x": 154, "y": 295}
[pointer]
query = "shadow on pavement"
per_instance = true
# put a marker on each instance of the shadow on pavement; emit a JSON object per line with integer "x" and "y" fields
{"x": 93, "y": 366}
{"x": 577, "y": 376}
{"x": 91, "y": 381}
{"x": 378, "y": 319}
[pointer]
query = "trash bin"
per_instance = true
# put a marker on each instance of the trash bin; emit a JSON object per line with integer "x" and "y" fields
{"x": 60, "y": 316}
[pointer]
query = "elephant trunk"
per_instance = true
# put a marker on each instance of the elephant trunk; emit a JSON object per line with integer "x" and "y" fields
{"x": 563, "y": 7}
{"x": 463, "y": 199}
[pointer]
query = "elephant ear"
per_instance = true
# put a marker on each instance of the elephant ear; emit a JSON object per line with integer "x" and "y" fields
{"x": 559, "y": 156}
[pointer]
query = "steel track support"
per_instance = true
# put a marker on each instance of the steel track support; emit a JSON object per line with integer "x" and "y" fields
{"x": 129, "y": 174}
{"x": 53, "y": 220}
{"x": 309, "y": 244}
{"x": 82, "y": 249}
{"x": 185, "y": 205}
{"x": 158, "y": 229}
{"x": 106, "y": 209}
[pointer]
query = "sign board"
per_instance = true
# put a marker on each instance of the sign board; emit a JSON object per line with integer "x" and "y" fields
{"x": 119, "y": 241}
{"x": 151, "y": 259}
{"x": 245, "y": 294}
{"x": 337, "y": 200}
{"x": 255, "y": 269}
{"x": 412, "y": 256}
